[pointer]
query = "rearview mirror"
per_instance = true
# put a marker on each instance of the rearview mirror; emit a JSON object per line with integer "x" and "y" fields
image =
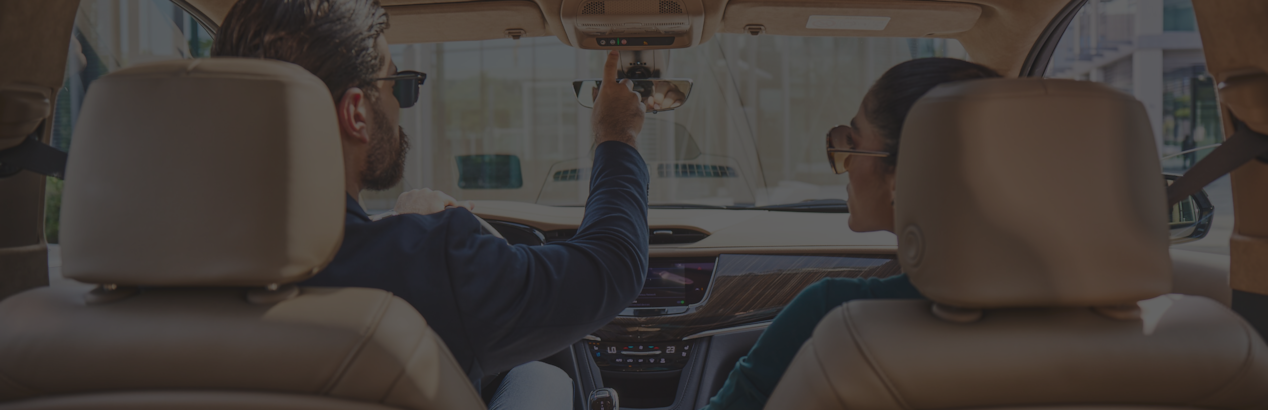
{"x": 1191, "y": 218}
{"x": 669, "y": 93}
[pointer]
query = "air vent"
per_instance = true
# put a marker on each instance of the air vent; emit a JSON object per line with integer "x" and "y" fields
{"x": 695, "y": 171}
{"x": 675, "y": 236}
{"x": 571, "y": 175}
{"x": 670, "y": 7}
{"x": 658, "y": 236}
{"x": 594, "y": 7}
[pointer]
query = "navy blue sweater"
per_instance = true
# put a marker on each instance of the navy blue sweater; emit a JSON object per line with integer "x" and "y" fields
{"x": 495, "y": 305}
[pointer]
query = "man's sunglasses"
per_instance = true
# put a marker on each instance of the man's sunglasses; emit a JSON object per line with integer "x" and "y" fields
{"x": 839, "y": 158}
{"x": 406, "y": 88}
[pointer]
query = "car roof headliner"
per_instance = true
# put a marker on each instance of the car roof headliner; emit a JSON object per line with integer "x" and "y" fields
{"x": 1002, "y": 37}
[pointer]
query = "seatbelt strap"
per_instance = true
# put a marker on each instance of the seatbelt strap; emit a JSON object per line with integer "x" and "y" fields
{"x": 34, "y": 156}
{"x": 1242, "y": 147}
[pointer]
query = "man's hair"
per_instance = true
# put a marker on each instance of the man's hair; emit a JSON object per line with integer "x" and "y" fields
{"x": 333, "y": 39}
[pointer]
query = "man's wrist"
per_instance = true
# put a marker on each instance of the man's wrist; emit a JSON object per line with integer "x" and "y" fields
{"x": 626, "y": 137}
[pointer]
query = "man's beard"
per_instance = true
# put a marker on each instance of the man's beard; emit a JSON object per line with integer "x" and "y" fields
{"x": 385, "y": 163}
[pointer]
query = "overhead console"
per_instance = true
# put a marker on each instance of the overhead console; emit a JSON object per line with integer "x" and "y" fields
{"x": 902, "y": 18}
{"x": 631, "y": 25}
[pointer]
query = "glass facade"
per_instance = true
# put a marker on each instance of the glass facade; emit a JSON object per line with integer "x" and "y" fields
{"x": 1152, "y": 50}
{"x": 109, "y": 35}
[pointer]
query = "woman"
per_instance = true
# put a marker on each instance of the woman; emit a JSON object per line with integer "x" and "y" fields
{"x": 868, "y": 150}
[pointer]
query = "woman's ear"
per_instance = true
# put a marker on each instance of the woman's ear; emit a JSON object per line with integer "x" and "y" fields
{"x": 353, "y": 113}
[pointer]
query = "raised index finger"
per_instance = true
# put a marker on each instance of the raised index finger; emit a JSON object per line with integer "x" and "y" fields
{"x": 610, "y": 67}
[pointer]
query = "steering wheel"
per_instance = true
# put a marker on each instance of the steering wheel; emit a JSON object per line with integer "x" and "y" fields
{"x": 489, "y": 229}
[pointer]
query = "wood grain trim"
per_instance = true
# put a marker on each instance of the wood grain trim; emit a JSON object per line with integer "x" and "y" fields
{"x": 748, "y": 289}
{"x": 842, "y": 251}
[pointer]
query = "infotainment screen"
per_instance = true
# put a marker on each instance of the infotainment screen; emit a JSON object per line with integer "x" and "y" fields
{"x": 674, "y": 284}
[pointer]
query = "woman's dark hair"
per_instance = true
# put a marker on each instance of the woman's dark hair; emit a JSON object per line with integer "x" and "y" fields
{"x": 893, "y": 95}
{"x": 333, "y": 39}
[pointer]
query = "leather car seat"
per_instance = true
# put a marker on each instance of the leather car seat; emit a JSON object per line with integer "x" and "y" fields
{"x": 199, "y": 192}
{"x": 1031, "y": 214}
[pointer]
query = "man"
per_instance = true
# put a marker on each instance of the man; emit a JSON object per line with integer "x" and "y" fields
{"x": 495, "y": 305}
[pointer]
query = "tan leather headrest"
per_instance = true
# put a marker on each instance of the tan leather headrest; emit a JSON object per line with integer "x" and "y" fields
{"x": 1031, "y": 192}
{"x": 1246, "y": 94}
{"x": 211, "y": 172}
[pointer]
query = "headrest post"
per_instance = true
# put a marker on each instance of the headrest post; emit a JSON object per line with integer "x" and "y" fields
{"x": 107, "y": 293}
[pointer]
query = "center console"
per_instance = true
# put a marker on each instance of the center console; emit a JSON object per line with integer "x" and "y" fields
{"x": 650, "y": 373}
{"x": 673, "y": 287}
{"x": 640, "y": 357}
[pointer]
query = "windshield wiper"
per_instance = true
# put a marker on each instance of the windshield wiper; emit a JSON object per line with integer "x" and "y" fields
{"x": 813, "y": 205}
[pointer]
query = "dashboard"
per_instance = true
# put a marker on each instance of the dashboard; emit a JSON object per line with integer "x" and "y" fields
{"x": 741, "y": 292}
{"x": 715, "y": 280}
{"x": 710, "y": 273}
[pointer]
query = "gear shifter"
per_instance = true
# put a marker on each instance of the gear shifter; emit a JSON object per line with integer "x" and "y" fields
{"x": 604, "y": 399}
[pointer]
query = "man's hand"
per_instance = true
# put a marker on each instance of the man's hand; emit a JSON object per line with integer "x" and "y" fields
{"x": 425, "y": 201}
{"x": 618, "y": 111}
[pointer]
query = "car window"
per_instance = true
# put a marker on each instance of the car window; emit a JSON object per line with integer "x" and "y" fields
{"x": 1151, "y": 49}
{"x": 109, "y": 35}
{"x": 751, "y": 133}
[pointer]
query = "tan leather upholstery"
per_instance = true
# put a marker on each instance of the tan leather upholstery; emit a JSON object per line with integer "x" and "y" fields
{"x": 205, "y": 180}
{"x": 192, "y": 400}
{"x": 990, "y": 211}
{"x": 1234, "y": 39}
{"x": 210, "y": 172}
{"x": 892, "y": 354}
{"x": 355, "y": 344}
{"x": 1201, "y": 274}
{"x": 1246, "y": 95}
{"x": 1024, "y": 263}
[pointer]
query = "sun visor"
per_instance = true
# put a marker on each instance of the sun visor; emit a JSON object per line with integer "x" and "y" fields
{"x": 861, "y": 19}
{"x": 633, "y": 24}
{"x": 485, "y": 20}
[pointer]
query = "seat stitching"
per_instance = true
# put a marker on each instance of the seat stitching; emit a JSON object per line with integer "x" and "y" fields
{"x": 867, "y": 356}
{"x": 422, "y": 344}
{"x": 367, "y": 334}
{"x": 824, "y": 371}
{"x": 1247, "y": 363}
{"x": 396, "y": 381}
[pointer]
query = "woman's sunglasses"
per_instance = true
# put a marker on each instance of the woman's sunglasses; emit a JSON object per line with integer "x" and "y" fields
{"x": 406, "y": 88}
{"x": 839, "y": 158}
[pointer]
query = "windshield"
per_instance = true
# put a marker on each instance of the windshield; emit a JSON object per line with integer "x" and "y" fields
{"x": 498, "y": 119}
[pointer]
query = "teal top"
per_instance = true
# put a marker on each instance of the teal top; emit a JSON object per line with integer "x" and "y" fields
{"x": 754, "y": 377}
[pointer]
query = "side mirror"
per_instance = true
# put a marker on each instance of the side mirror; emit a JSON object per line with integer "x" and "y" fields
{"x": 1191, "y": 218}
{"x": 670, "y": 93}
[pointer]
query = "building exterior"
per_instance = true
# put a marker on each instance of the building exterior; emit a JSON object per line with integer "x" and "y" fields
{"x": 1152, "y": 50}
